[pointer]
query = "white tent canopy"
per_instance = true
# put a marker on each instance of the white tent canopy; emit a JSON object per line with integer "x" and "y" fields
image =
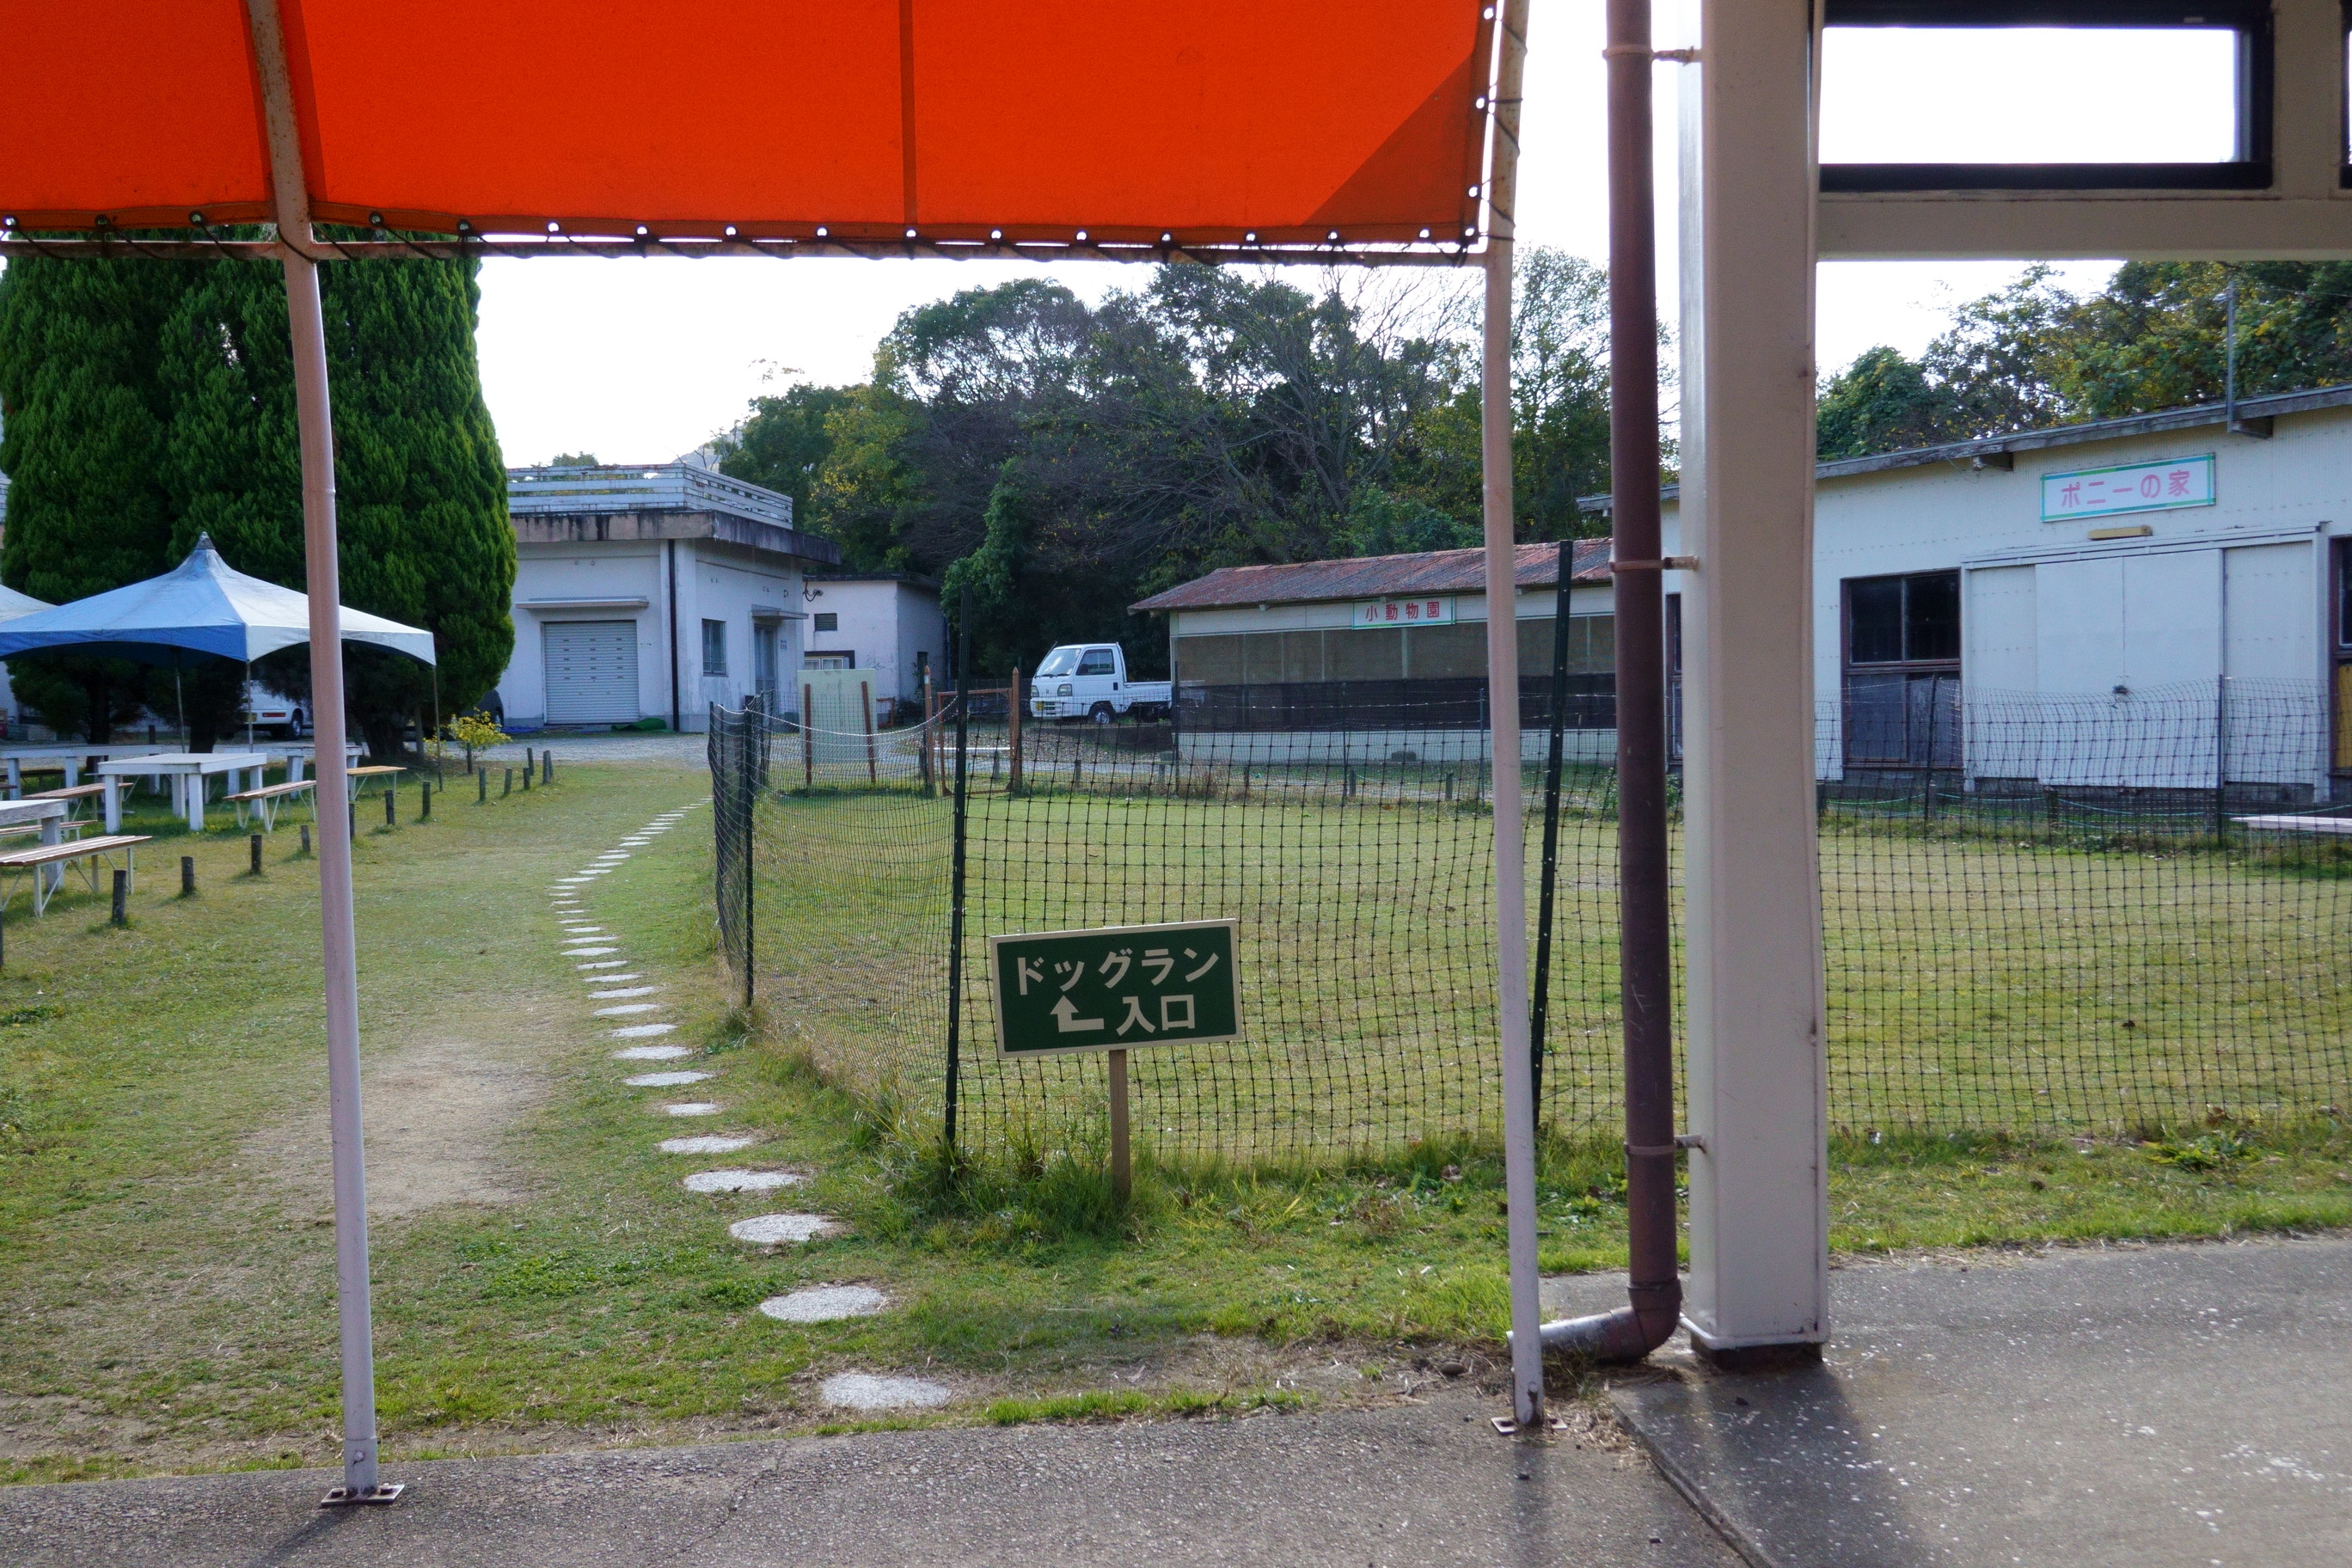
{"x": 12, "y": 603}
{"x": 201, "y": 605}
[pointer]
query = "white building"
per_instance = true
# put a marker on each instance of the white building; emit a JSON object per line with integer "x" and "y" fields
{"x": 651, "y": 592}
{"x": 887, "y": 622}
{"x": 2118, "y": 601}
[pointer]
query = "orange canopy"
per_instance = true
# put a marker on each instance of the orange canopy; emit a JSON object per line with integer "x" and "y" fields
{"x": 1195, "y": 122}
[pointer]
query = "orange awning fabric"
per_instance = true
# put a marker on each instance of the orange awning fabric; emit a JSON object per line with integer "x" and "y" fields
{"x": 1189, "y": 121}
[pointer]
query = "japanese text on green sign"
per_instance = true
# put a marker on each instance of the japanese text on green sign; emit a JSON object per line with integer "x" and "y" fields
{"x": 1115, "y": 988}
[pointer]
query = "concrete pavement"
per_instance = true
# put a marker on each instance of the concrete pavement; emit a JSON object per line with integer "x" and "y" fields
{"x": 1417, "y": 1483}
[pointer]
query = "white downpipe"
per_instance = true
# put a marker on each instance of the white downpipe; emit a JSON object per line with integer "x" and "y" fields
{"x": 323, "y": 581}
{"x": 1503, "y": 718}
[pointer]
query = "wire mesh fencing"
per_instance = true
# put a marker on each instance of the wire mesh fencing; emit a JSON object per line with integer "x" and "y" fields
{"x": 2044, "y": 923}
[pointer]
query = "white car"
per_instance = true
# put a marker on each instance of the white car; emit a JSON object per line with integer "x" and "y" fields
{"x": 273, "y": 713}
{"x": 1088, "y": 681}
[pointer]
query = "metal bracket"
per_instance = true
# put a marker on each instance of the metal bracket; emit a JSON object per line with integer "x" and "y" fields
{"x": 1670, "y": 564}
{"x": 1509, "y": 1426}
{"x": 363, "y": 1496}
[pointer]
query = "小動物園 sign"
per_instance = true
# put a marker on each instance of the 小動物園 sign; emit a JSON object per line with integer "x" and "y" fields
{"x": 1115, "y": 988}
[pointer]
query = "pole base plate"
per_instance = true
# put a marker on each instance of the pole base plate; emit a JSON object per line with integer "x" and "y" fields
{"x": 1509, "y": 1426}
{"x": 362, "y": 1497}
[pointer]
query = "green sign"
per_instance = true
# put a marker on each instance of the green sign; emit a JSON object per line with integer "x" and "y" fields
{"x": 1115, "y": 988}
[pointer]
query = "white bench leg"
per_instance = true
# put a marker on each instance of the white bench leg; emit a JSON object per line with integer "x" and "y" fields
{"x": 114, "y": 798}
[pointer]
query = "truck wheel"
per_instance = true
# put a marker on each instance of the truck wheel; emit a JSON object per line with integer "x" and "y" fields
{"x": 1101, "y": 714}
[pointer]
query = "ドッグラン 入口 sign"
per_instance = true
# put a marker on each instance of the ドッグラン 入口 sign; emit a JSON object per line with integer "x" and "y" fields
{"x": 1115, "y": 988}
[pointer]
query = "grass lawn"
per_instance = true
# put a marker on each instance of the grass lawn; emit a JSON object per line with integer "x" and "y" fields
{"x": 544, "y": 1280}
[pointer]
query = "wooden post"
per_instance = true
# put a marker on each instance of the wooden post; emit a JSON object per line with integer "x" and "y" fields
{"x": 187, "y": 876}
{"x": 509, "y": 785}
{"x": 121, "y": 912}
{"x": 425, "y": 805}
{"x": 1122, "y": 1176}
{"x": 257, "y": 854}
{"x": 930, "y": 762}
{"x": 482, "y": 786}
{"x": 1012, "y": 730}
{"x": 306, "y": 838}
{"x": 866, "y": 711}
{"x": 389, "y": 820}
{"x": 808, "y": 733}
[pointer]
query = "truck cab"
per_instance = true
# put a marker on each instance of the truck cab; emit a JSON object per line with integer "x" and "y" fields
{"x": 1089, "y": 680}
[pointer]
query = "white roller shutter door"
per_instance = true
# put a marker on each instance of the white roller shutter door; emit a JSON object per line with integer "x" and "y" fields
{"x": 592, "y": 672}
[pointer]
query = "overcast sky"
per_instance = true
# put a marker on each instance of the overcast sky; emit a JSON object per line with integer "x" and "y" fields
{"x": 639, "y": 360}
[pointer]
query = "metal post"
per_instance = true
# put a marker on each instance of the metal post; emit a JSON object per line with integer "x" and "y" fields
{"x": 955, "y": 891}
{"x": 1012, "y": 730}
{"x": 338, "y": 941}
{"x": 747, "y": 795}
{"x": 865, "y": 708}
{"x": 2221, "y": 758}
{"x": 1547, "y": 887}
{"x": 808, "y": 734}
{"x": 1122, "y": 1170}
{"x": 1503, "y": 729}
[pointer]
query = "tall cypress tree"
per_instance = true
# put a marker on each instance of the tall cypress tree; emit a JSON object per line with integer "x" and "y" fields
{"x": 421, "y": 488}
{"x": 86, "y": 420}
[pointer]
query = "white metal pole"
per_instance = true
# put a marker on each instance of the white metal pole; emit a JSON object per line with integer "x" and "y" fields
{"x": 1503, "y": 729}
{"x": 338, "y": 939}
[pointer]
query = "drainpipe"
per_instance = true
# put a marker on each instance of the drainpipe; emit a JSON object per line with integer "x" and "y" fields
{"x": 669, "y": 549}
{"x": 1636, "y": 1329}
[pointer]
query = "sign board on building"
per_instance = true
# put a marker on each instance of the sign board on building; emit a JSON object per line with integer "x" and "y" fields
{"x": 1115, "y": 988}
{"x": 1425, "y": 611}
{"x": 2132, "y": 486}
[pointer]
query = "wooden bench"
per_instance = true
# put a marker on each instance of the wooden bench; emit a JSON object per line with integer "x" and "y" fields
{"x": 361, "y": 775}
{"x": 266, "y": 801}
{"x": 71, "y": 795}
{"x": 88, "y": 852}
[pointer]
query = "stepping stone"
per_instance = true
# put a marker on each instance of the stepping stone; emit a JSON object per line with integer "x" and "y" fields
{"x": 745, "y": 1182}
{"x": 588, "y": 951}
{"x": 695, "y": 1107}
{"x": 705, "y": 1145}
{"x": 651, "y": 1054}
{"x": 866, "y": 1391}
{"x": 642, "y": 1031}
{"x": 783, "y": 1229}
{"x": 826, "y": 1304}
{"x": 624, "y": 990}
{"x": 634, "y": 843}
{"x": 604, "y": 979}
{"x": 628, "y": 1008}
{"x": 660, "y": 1080}
{"x": 569, "y": 881}
{"x": 584, "y": 930}
{"x": 614, "y": 855}
{"x": 601, "y": 963}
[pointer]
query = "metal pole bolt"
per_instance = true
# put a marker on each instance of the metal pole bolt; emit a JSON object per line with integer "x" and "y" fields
{"x": 121, "y": 914}
{"x": 187, "y": 876}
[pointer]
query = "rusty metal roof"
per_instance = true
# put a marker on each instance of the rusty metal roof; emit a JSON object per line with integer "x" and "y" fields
{"x": 1377, "y": 577}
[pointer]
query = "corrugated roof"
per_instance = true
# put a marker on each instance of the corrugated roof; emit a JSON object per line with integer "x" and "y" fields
{"x": 1377, "y": 577}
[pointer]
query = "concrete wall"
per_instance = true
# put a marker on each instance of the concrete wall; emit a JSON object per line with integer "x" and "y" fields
{"x": 715, "y": 580}
{"x": 885, "y": 624}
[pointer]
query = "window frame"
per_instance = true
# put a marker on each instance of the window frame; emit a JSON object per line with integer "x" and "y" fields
{"x": 708, "y": 626}
{"x": 2249, "y": 170}
{"x": 826, "y": 621}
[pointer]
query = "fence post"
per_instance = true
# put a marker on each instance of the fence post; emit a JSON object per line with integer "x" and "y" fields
{"x": 866, "y": 711}
{"x": 808, "y": 733}
{"x": 1539, "y": 1003}
{"x": 482, "y": 786}
{"x": 955, "y": 891}
{"x": 746, "y": 800}
{"x": 1012, "y": 730}
{"x": 923, "y": 749}
{"x": 2220, "y": 757}
{"x": 1927, "y": 773}
{"x": 120, "y": 913}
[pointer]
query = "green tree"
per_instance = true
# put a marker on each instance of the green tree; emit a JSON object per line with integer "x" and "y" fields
{"x": 783, "y": 443}
{"x": 1882, "y": 402}
{"x": 421, "y": 489}
{"x": 86, "y": 422}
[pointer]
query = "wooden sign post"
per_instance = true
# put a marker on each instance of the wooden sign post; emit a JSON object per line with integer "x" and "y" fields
{"x": 1115, "y": 989}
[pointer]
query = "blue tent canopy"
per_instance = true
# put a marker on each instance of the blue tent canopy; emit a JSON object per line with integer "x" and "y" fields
{"x": 201, "y": 606}
{"x": 12, "y": 603}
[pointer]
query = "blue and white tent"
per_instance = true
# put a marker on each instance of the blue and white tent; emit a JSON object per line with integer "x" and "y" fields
{"x": 201, "y": 605}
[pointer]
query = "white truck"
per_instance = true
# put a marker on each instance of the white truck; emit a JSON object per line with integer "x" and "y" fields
{"x": 1088, "y": 681}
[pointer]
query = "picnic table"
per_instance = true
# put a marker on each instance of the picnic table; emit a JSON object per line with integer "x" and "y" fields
{"x": 48, "y": 816}
{"x": 302, "y": 756}
{"x": 188, "y": 772}
{"x": 67, "y": 755}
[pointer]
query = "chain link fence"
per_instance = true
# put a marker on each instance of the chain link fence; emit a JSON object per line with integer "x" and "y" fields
{"x": 2043, "y": 925}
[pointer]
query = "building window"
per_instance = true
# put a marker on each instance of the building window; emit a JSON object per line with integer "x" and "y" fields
{"x": 828, "y": 620}
{"x": 714, "y": 647}
{"x": 1903, "y": 672}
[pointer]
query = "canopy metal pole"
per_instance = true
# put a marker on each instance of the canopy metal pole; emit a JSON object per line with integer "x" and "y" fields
{"x": 339, "y": 940}
{"x": 1503, "y": 730}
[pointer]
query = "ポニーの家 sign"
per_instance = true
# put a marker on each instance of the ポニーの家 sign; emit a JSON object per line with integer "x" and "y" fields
{"x": 2129, "y": 486}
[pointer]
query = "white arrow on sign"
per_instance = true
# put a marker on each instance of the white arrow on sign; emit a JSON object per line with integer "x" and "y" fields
{"x": 1065, "y": 1017}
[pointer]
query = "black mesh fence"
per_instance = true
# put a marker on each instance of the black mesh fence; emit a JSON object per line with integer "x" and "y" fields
{"x": 2053, "y": 921}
